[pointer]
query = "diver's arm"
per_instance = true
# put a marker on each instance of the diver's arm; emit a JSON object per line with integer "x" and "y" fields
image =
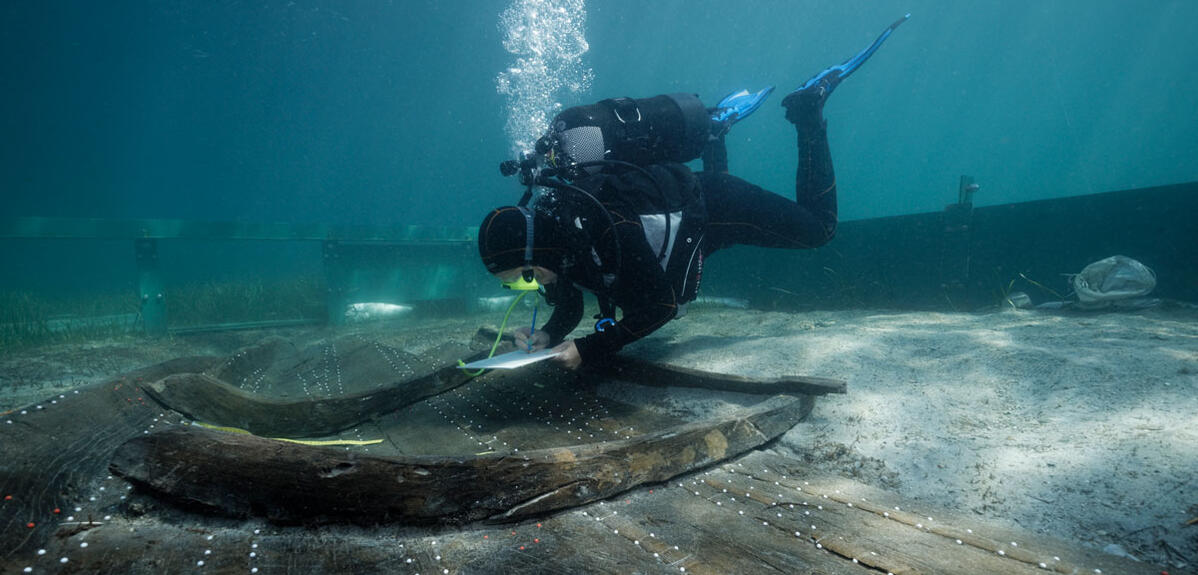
{"x": 567, "y": 310}
{"x": 644, "y": 294}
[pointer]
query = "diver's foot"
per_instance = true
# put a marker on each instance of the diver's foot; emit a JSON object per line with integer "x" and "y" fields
{"x": 807, "y": 102}
{"x": 736, "y": 107}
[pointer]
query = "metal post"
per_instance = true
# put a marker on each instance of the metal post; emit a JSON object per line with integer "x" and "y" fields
{"x": 956, "y": 251}
{"x": 335, "y": 279}
{"x": 149, "y": 287}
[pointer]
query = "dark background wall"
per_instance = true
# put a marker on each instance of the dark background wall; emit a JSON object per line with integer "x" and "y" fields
{"x": 386, "y": 112}
{"x": 928, "y": 261}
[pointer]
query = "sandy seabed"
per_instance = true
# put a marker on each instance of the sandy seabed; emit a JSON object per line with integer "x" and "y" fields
{"x": 1079, "y": 425}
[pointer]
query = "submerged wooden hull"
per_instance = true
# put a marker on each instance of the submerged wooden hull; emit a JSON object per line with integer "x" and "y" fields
{"x": 244, "y": 475}
{"x": 585, "y": 492}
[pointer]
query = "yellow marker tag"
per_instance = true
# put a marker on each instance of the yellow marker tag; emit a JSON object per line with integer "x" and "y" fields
{"x": 317, "y": 442}
{"x": 221, "y": 428}
{"x": 330, "y": 441}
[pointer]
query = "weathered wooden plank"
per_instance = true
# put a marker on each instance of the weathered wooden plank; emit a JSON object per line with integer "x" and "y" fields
{"x": 336, "y": 366}
{"x": 149, "y": 546}
{"x": 245, "y": 475}
{"x": 659, "y": 374}
{"x": 681, "y": 529}
{"x": 729, "y": 533}
{"x": 644, "y": 372}
{"x": 689, "y": 523}
{"x": 53, "y": 449}
{"x": 505, "y": 410}
{"x": 893, "y": 534}
{"x": 205, "y": 398}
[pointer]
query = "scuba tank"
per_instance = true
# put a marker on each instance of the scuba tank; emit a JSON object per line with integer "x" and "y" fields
{"x": 644, "y": 131}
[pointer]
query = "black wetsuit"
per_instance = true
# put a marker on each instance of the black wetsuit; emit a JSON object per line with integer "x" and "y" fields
{"x": 737, "y": 212}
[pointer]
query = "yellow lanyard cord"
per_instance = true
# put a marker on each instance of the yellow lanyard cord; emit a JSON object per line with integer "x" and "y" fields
{"x": 299, "y": 441}
{"x": 498, "y": 336}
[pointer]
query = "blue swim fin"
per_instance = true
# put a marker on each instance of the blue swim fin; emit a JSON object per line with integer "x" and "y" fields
{"x": 822, "y": 84}
{"x": 736, "y": 107}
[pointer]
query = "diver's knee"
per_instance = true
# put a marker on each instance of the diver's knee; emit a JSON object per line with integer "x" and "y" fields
{"x": 829, "y": 232}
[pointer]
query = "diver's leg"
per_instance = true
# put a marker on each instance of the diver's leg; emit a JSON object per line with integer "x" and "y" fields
{"x": 715, "y": 155}
{"x": 815, "y": 178}
{"x": 732, "y": 109}
{"x": 742, "y": 213}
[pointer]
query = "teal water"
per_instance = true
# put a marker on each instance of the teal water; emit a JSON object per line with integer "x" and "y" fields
{"x": 388, "y": 112}
{"x": 379, "y": 112}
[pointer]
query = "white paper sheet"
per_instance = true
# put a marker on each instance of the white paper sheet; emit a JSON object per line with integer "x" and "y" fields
{"x": 511, "y": 360}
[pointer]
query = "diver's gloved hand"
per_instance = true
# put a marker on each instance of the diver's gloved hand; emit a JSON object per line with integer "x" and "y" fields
{"x": 537, "y": 342}
{"x": 567, "y": 355}
{"x": 734, "y": 108}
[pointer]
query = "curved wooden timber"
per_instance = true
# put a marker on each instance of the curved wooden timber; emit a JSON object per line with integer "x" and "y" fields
{"x": 243, "y": 475}
{"x": 644, "y": 372}
{"x": 211, "y": 399}
{"x": 54, "y": 449}
{"x": 206, "y": 398}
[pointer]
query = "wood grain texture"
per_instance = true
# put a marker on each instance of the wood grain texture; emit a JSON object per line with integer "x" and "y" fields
{"x": 242, "y": 475}
{"x": 54, "y": 449}
{"x": 759, "y": 513}
{"x": 362, "y": 380}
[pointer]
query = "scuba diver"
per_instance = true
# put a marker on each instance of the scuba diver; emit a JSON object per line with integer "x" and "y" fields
{"x": 618, "y": 214}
